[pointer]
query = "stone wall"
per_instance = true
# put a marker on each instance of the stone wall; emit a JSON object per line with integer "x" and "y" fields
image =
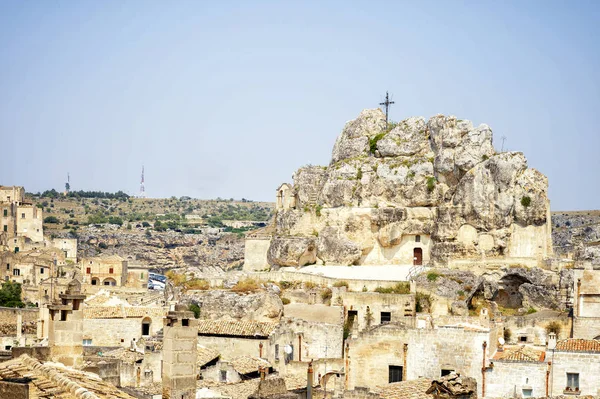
{"x": 117, "y": 331}
{"x": 586, "y": 327}
{"x": 9, "y": 318}
{"x": 353, "y": 284}
{"x": 231, "y": 347}
{"x": 14, "y": 390}
{"x": 533, "y": 328}
{"x": 509, "y": 379}
{"x": 255, "y": 254}
{"x": 399, "y": 306}
{"x": 586, "y": 364}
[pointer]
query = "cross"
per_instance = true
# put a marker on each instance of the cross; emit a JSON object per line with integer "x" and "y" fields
{"x": 503, "y": 139}
{"x": 387, "y": 104}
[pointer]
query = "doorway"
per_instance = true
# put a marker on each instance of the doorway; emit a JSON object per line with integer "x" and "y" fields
{"x": 418, "y": 256}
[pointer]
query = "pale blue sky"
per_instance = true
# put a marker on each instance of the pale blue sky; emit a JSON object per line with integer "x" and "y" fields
{"x": 229, "y": 98}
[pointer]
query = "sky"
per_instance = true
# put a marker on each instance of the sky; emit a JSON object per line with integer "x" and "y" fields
{"x": 227, "y": 99}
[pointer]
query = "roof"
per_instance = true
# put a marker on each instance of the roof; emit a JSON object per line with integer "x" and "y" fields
{"x": 205, "y": 355}
{"x": 248, "y": 364}
{"x": 236, "y": 328}
{"x": 53, "y": 380}
{"x": 412, "y": 389}
{"x": 520, "y": 354}
{"x": 578, "y": 345}
{"x": 590, "y": 282}
{"x": 124, "y": 354}
{"x": 119, "y": 312}
{"x": 453, "y": 385}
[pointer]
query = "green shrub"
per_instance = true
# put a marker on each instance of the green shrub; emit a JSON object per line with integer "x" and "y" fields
{"x": 247, "y": 285}
{"x": 326, "y": 294}
{"x": 401, "y": 287}
{"x": 432, "y": 276}
{"x": 526, "y": 201}
{"x": 342, "y": 283}
{"x": 359, "y": 174}
{"x": 553, "y": 326}
{"x": 531, "y": 310}
{"x": 318, "y": 210}
{"x": 431, "y": 181}
{"x": 196, "y": 309}
{"x": 507, "y": 334}
{"x": 423, "y": 301}
{"x": 285, "y": 300}
{"x": 485, "y": 157}
{"x": 51, "y": 219}
{"x": 373, "y": 142}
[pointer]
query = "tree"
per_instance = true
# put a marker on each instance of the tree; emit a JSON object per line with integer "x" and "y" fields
{"x": 51, "y": 219}
{"x": 10, "y": 295}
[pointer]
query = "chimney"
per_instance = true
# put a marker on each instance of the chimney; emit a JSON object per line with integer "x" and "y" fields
{"x": 179, "y": 369}
{"x": 261, "y": 371}
{"x": 309, "y": 381}
{"x": 551, "y": 341}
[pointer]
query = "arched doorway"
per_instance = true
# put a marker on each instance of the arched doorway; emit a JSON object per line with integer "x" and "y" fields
{"x": 146, "y": 323}
{"x": 95, "y": 281}
{"x": 110, "y": 281}
{"x": 418, "y": 256}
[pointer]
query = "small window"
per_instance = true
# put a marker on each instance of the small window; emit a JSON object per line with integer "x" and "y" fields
{"x": 41, "y": 270}
{"x": 110, "y": 271}
{"x": 142, "y": 275}
{"x": 386, "y": 317}
{"x": 185, "y": 322}
{"x": 523, "y": 338}
{"x": 417, "y": 238}
{"x": 8, "y": 266}
{"x": 276, "y": 351}
{"x": 87, "y": 342}
{"x": 5, "y": 227}
{"x": 16, "y": 272}
{"x": 572, "y": 381}
{"x": 527, "y": 393}
{"x": 63, "y": 315}
{"x": 6, "y": 212}
{"x": 22, "y": 216}
{"x": 88, "y": 270}
{"x": 122, "y": 340}
{"x": 395, "y": 374}
{"x": 446, "y": 372}
{"x": 223, "y": 375}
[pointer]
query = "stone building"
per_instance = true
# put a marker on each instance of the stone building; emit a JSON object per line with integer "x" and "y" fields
{"x": 107, "y": 270}
{"x": 235, "y": 370}
{"x": 232, "y": 338}
{"x": 575, "y": 367}
{"x": 586, "y": 311}
{"x": 18, "y": 218}
{"x": 119, "y": 325}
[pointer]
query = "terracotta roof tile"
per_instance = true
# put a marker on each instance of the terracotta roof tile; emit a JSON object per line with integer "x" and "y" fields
{"x": 236, "y": 328}
{"x": 205, "y": 355}
{"x": 578, "y": 345}
{"x": 248, "y": 364}
{"x": 520, "y": 354}
{"x": 116, "y": 312}
{"x": 53, "y": 381}
{"x": 412, "y": 389}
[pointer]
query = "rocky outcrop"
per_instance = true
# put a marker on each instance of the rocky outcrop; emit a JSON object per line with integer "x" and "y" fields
{"x": 228, "y": 305}
{"x": 210, "y": 253}
{"x": 440, "y": 179}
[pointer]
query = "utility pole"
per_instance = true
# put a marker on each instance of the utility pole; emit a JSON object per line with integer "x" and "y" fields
{"x": 387, "y": 104}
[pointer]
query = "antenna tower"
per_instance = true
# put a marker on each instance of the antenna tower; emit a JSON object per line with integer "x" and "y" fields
{"x": 142, "y": 188}
{"x": 387, "y": 104}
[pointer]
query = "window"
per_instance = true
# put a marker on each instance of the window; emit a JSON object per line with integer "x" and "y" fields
{"x": 8, "y": 266}
{"x": 395, "y": 374}
{"x": 446, "y": 372}
{"x": 185, "y": 322}
{"x": 5, "y": 227}
{"x": 63, "y": 315}
{"x": 142, "y": 275}
{"x": 572, "y": 381}
{"x": 223, "y": 375}
{"x": 16, "y": 272}
{"x": 41, "y": 270}
{"x": 88, "y": 270}
{"x": 417, "y": 238}
{"x": 527, "y": 393}
{"x": 523, "y": 339}
{"x": 386, "y": 317}
{"x": 87, "y": 342}
{"x": 145, "y": 328}
{"x": 22, "y": 216}
{"x": 110, "y": 271}
{"x": 6, "y": 212}
{"x": 276, "y": 351}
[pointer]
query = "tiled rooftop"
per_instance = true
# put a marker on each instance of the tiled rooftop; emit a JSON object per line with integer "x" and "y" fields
{"x": 52, "y": 381}
{"x": 412, "y": 389}
{"x": 248, "y": 364}
{"x": 236, "y": 328}
{"x": 117, "y": 312}
{"x": 520, "y": 353}
{"x": 578, "y": 345}
{"x": 205, "y": 355}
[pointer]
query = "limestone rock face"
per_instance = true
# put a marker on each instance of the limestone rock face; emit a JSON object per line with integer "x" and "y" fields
{"x": 227, "y": 305}
{"x": 439, "y": 178}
